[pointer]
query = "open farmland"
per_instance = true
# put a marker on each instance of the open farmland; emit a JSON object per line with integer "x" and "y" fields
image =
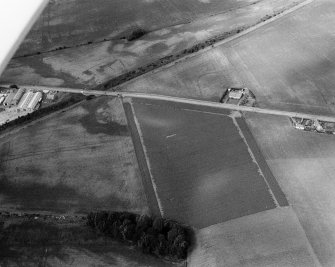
{"x": 65, "y": 23}
{"x": 83, "y": 256}
{"x": 288, "y": 64}
{"x": 269, "y": 238}
{"x": 199, "y": 163}
{"x": 304, "y": 165}
{"x": 76, "y": 161}
{"x": 81, "y": 44}
{"x": 64, "y": 242}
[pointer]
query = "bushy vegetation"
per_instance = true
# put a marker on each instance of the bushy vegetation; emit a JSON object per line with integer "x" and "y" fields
{"x": 170, "y": 58}
{"x": 166, "y": 60}
{"x": 136, "y": 34}
{"x": 157, "y": 236}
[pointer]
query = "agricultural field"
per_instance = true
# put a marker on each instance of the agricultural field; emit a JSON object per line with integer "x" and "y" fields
{"x": 256, "y": 191}
{"x": 304, "y": 166}
{"x": 44, "y": 242}
{"x": 93, "y": 32}
{"x": 72, "y": 162}
{"x": 85, "y": 256}
{"x": 200, "y": 163}
{"x": 270, "y": 238}
{"x": 288, "y": 64}
{"x": 66, "y": 23}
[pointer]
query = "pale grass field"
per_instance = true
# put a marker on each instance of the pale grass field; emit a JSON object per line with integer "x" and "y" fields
{"x": 304, "y": 166}
{"x": 269, "y": 238}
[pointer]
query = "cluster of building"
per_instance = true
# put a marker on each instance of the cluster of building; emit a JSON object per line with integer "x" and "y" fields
{"x": 313, "y": 125}
{"x": 238, "y": 96}
{"x": 21, "y": 98}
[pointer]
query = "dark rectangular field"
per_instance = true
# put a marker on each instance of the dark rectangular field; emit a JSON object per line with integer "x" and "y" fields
{"x": 201, "y": 167}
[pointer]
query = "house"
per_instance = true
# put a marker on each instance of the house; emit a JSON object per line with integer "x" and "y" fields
{"x": 236, "y": 94}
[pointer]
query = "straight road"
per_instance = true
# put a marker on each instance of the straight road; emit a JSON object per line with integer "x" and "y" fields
{"x": 184, "y": 100}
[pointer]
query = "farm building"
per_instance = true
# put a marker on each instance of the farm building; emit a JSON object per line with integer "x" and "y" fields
{"x": 9, "y": 98}
{"x": 236, "y": 94}
{"x": 51, "y": 95}
{"x": 25, "y": 100}
{"x": 2, "y": 99}
{"x": 34, "y": 101}
{"x": 18, "y": 96}
{"x": 299, "y": 126}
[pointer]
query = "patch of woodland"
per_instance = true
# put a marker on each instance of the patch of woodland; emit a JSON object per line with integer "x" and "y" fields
{"x": 153, "y": 235}
{"x": 135, "y": 34}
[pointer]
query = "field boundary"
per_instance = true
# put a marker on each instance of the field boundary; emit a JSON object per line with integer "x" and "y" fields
{"x": 142, "y": 161}
{"x": 240, "y": 33}
{"x": 274, "y": 188}
{"x": 253, "y": 157}
{"x": 262, "y": 164}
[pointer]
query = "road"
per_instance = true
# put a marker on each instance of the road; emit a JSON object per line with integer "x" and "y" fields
{"x": 184, "y": 100}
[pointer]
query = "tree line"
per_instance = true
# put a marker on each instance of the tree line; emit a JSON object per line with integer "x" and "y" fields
{"x": 158, "y": 236}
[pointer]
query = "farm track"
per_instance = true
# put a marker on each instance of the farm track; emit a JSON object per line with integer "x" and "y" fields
{"x": 271, "y": 180}
{"x": 54, "y": 150}
{"x": 142, "y": 162}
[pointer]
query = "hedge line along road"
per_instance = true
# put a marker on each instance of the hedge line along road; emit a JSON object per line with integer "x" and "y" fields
{"x": 184, "y": 100}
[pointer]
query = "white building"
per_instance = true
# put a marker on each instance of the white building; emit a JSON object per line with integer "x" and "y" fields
{"x": 2, "y": 99}
{"x": 34, "y": 101}
{"x": 236, "y": 94}
{"x": 25, "y": 100}
{"x": 51, "y": 96}
{"x": 18, "y": 96}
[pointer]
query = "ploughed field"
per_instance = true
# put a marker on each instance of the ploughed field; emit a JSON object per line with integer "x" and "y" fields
{"x": 201, "y": 169}
{"x": 288, "y": 64}
{"x": 304, "y": 166}
{"x": 70, "y": 162}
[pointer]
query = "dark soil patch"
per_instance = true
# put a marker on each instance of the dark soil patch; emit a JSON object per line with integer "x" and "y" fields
{"x": 29, "y": 196}
{"x": 92, "y": 125}
{"x": 32, "y": 242}
{"x": 202, "y": 168}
